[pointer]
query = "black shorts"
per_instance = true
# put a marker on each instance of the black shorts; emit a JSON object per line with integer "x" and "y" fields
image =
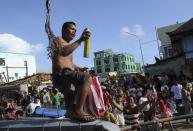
{"x": 64, "y": 78}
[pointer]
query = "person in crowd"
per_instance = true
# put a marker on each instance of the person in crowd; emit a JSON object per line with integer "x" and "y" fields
{"x": 176, "y": 92}
{"x": 2, "y": 109}
{"x": 172, "y": 105}
{"x": 151, "y": 89}
{"x": 164, "y": 87}
{"x": 56, "y": 99}
{"x": 109, "y": 116}
{"x": 25, "y": 101}
{"x": 164, "y": 108}
{"x": 132, "y": 110}
{"x": 46, "y": 99}
{"x": 32, "y": 106}
{"x": 186, "y": 97}
{"x": 132, "y": 89}
{"x": 138, "y": 92}
{"x": 13, "y": 104}
{"x": 8, "y": 115}
{"x": 106, "y": 97}
{"x": 118, "y": 109}
{"x": 146, "y": 109}
{"x": 19, "y": 115}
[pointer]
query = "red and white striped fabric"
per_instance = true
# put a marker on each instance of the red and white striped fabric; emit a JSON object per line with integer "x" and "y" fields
{"x": 95, "y": 104}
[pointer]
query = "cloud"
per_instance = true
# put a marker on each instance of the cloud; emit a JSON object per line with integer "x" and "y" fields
{"x": 12, "y": 43}
{"x": 136, "y": 29}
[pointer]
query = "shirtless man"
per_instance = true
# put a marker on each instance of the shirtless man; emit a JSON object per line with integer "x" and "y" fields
{"x": 65, "y": 71}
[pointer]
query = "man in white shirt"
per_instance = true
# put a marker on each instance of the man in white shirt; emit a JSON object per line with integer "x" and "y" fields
{"x": 176, "y": 92}
{"x": 32, "y": 106}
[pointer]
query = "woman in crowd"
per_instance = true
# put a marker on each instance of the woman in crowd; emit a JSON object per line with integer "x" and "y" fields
{"x": 118, "y": 109}
{"x": 132, "y": 110}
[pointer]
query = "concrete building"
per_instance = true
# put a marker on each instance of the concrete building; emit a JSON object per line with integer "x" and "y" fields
{"x": 107, "y": 61}
{"x": 14, "y": 66}
{"x": 182, "y": 43}
{"x": 182, "y": 52}
{"x": 166, "y": 50}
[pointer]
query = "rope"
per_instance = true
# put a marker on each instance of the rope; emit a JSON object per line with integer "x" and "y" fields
{"x": 51, "y": 47}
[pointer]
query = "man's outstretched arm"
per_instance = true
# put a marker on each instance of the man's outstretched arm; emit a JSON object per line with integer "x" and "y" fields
{"x": 66, "y": 49}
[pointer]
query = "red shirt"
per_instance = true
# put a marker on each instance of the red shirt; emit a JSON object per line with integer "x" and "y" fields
{"x": 106, "y": 98}
{"x": 164, "y": 106}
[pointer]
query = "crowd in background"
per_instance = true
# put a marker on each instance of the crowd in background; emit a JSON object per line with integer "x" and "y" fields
{"x": 128, "y": 99}
{"x": 26, "y": 103}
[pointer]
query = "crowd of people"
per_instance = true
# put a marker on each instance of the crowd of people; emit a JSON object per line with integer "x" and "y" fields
{"x": 27, "y": 103}
{"x": 131, "y": 99}
{"x": 127, "y": 99}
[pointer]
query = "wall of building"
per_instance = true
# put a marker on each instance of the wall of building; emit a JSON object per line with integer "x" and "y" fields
{"x": 177, "y": 64}
{"x": 16, "y": 65}
{"x": 188, "y": 46}
{"x": 166, "y": 47}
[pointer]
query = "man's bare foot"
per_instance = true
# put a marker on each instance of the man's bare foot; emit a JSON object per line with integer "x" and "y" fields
{"x": 83, "y": 116}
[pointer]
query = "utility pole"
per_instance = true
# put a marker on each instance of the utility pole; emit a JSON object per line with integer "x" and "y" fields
{"x": 7, "y": 73}
{"x": 139, "y": 46}
{"x": 26, "y": 68}
{"x": 4, "y": 76}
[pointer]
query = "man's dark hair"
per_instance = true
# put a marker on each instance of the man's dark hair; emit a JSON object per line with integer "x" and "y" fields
{"x": 66, "y": 24}
{"x": 144, "y": 92}
{"x": 19, "y": 112}
{"x": 54, "y": 91}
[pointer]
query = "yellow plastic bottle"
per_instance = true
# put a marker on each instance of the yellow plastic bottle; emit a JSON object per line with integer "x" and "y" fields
{"x": 87, "y": 46}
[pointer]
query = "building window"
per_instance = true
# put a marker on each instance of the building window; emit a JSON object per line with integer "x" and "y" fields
{"x": 106, "y": 61}
{"x": 115, "y": 68}
{"x": 116, "y": 64}
{"x": 107, "y": 69}
{"x": 97, "y": 55}
{"x": 115, "y": 59}
{"x": 128, "y": 58}
{"x": 98, "y": 62}
{"x": 170, "y": 52}
{"x": 16, "y": 74}
{"x": 2, "y": 61}
{"x": 11, "y": 78}
{"x": 99, "y": 71}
